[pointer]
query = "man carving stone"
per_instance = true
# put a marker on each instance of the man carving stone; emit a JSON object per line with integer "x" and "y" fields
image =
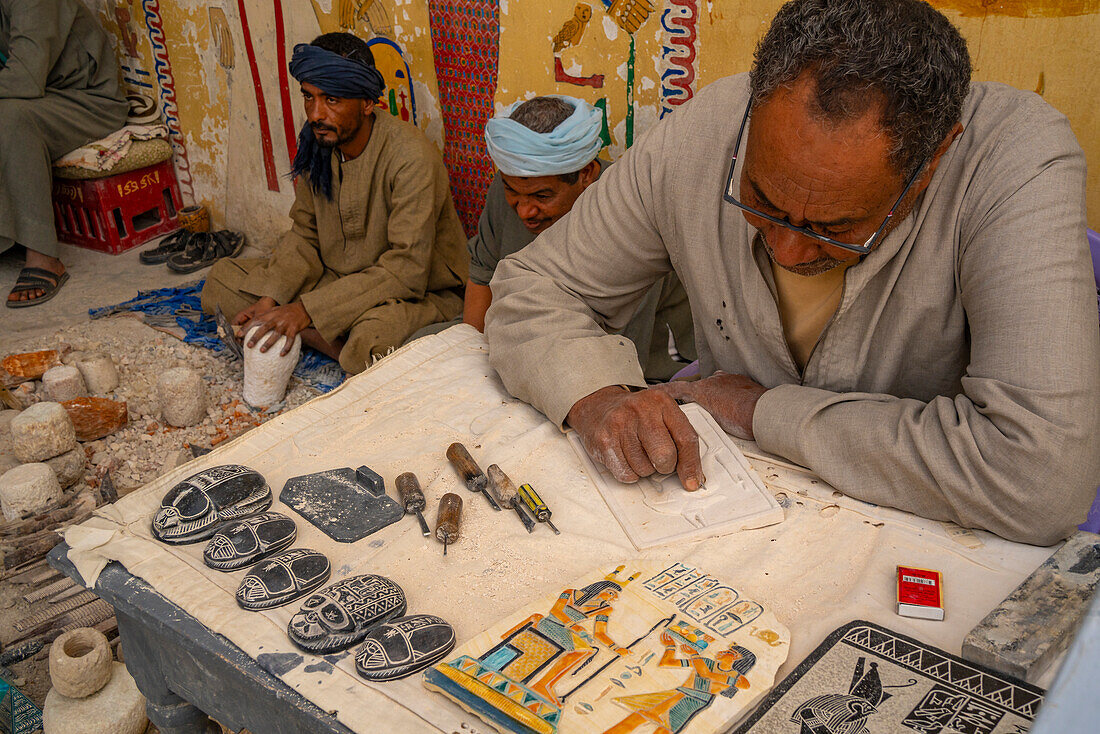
{"x": 58, "y": 91}
{"x": 545, "y": 152}
{"x": 376, "y": 250}
{"x": 887, "y": 266}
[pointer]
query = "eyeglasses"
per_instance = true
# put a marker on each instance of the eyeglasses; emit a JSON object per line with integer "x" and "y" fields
{"x": 861, "y": 249}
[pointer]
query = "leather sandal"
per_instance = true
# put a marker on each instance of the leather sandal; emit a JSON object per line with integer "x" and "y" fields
{"x": 34, "y": 279}
{"x": 203, "y": 249}
{"x": 167, "y": 247}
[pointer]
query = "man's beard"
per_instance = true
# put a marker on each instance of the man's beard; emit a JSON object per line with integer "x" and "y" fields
{"x": 340, "y": 139}
{"x": 823, "y": 264}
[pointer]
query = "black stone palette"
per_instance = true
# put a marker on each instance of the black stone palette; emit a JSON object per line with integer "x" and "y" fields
{"x": 864, "y": 677}
{"x": 243, "y": 543}
{"x": 345, "y": 504}
{"x": 397, "y": 649}
{"x": 342, "y": 614}
{"x": 282, "y": 578}
{"x": 193, "y": 509}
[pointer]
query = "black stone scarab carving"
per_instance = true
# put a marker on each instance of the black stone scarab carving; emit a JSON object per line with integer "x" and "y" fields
{"x": 193, "y": 509}
{"x": 341, "y": 614}
{"x": 282, "y": 578}
{"x": 404, "y": 646}
{"x": 243, "y": 543}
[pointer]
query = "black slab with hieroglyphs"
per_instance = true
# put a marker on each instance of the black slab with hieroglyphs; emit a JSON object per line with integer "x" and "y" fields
{"x": 864, "y": 678}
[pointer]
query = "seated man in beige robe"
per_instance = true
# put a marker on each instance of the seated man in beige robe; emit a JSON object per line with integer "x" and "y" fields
{"x": 376, "y": 250}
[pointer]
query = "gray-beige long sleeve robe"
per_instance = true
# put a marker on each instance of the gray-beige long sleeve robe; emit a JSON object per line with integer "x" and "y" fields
{"x": 58, "y": 90}
{"x": 381, "y": 259}
{"x": 960, "y": 376}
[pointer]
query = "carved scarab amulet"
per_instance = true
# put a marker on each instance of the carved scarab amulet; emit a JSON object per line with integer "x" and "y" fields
{"x": 404, "y": 646}
{"x": 282, "y": 578}
{"x": 193, "y": 509}
{"x": 243, "y": 543}
{"x": 341, "y": 614}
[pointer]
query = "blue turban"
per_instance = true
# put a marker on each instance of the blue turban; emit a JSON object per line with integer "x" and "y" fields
{"x": 517, "y": 150}
{"x": 341, "y": 77}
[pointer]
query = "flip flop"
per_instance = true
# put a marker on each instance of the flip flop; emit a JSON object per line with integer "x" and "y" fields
{"x": 167, "y": 247}
{"x": 203, "y": 249}
{"x": 33, "y": 279}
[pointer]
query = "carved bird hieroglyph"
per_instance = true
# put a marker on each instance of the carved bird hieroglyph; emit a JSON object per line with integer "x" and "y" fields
{"x": 573, "y": 29}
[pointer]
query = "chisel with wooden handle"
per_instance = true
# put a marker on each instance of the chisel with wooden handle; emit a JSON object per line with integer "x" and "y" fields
{"x": 475, "y": 479}
{"x": 412, "y": 497}
{"x": 505, "y": 493}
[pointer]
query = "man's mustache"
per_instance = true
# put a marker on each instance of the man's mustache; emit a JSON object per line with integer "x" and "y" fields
{"x": 317, "y": 127}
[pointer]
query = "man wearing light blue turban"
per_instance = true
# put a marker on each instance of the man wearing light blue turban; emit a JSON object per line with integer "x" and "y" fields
{"x": 545, "y": 151}
{"x": 375, "y": 251}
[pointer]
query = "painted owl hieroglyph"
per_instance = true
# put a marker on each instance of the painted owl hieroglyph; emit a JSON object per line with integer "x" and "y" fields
{"x": 572, "y": 31}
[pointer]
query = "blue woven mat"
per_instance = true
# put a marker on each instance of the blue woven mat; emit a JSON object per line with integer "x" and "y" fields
{"x": 181, "y": 307}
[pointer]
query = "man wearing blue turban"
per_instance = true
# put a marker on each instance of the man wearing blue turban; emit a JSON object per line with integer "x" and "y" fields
{"x": 375, "y": 250}
{"x": 545, "y": 151}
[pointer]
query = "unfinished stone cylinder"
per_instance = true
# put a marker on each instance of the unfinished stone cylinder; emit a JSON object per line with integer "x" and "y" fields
{"x": 267, "y": 373}
{"x": 117, "y": 708}
{"x": 68, "y": 467}
{"x": 63, "y": 383}
{"x": 27, "y": 489}
{"x": 42, "y": 431}
{"x": 80, "y": 662}
{"x": 182, "y": 397}
{"x": 100, "y": 373}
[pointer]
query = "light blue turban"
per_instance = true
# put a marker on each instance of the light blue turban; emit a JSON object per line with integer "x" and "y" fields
{"x": 518, "y": 150}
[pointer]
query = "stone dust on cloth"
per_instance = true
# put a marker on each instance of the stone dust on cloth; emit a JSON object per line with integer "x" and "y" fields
{"x": 830, "y": 561}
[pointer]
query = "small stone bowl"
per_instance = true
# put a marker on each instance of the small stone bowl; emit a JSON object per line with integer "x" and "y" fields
{"x": 80, "y": 662}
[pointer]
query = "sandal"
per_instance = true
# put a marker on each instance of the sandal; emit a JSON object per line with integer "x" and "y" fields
{"x": 167, "y": 247}
{"x": 203, "y": 249}
{"x": 34, "y": 279}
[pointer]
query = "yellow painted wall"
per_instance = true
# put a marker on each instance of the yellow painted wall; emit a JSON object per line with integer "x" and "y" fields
{"x": 1051, "y": 47}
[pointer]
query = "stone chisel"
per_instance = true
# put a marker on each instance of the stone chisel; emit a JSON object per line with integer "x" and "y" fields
{"x": 505, "y": 493}
{"x": 475, "y": 479}
{"x": 449, "y": 520}
{"x": 412, "y": 497}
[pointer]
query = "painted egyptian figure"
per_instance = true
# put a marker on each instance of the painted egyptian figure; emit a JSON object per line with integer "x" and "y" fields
{"x": 673, "y": 709}
{"x": 557, "y": 643}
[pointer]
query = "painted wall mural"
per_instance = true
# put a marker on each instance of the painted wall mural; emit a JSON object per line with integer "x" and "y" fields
{"x": 217, "y": 71}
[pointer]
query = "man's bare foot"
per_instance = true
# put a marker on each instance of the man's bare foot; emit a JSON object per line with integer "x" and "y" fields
{"x": 45, "y": 262}
{"x": 312, "y": 338}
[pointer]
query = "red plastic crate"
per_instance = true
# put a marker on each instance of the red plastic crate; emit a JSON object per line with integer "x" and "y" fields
{"x": 114, "y": 213}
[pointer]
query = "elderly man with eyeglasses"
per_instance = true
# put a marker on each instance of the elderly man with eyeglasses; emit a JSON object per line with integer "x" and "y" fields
{"x": 888, "y": 270}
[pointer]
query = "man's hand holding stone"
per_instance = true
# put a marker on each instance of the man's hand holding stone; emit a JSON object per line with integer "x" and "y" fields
{"x": 730, "y": 399}
{"x": 279, "y": 321}
{"x": 636, "y": 434}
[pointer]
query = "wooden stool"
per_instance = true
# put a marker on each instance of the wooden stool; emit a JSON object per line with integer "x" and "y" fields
{"x": 117, "y": 212}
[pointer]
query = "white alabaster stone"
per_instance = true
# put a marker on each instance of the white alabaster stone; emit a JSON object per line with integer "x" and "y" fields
{"x": 266, "y": 373}
{"x": 181, "y": 396}
{"x": 100, "y": 373}
{"x": 42, "y": 431}
{"x": 63, "y": 382}
{"x": 27, "y": 489}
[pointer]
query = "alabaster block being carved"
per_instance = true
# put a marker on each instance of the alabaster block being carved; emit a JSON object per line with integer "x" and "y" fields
{"x": 192, "y": 510}
{"x": 404, "y": 646}
{"x": 282, "y": 578}
{"x": 342, "y": 614}
{"x": 252, "y": 539}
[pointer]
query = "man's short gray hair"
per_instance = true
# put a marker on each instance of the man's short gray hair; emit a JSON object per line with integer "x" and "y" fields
{"x": 543, "y": 114}
{"x": 903, "y": 53}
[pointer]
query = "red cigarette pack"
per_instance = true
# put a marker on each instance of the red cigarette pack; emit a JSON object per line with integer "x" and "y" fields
{"x": 920, "y": 593}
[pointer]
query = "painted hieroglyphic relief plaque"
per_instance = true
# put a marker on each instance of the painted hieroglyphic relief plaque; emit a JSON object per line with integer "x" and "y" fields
{"x": 865, "y": 678}
{"x": 657, "y": 511}
{"x": 622, "y": 650}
